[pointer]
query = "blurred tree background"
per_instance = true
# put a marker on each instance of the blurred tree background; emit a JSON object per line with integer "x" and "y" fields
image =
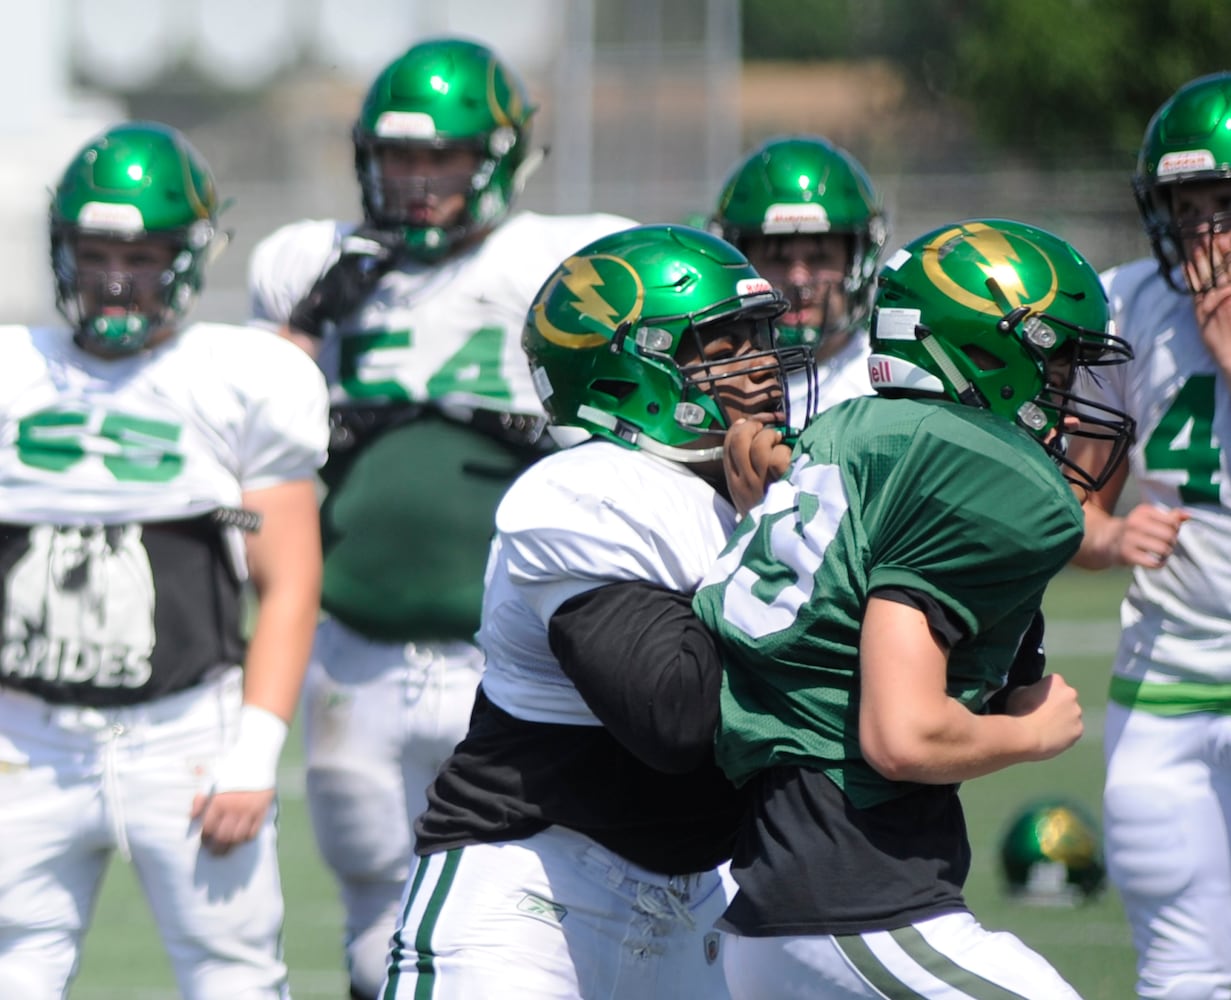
{"x": 1047, "y": 82}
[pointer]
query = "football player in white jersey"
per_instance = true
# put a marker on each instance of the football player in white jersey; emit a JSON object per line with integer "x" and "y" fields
{"x": 133, "y": 450}
{"x": 1167, "y": 794}
{"x": 807, "y": 217}
{"x": 572, "y": 842}
{"x": 415, "y": 315}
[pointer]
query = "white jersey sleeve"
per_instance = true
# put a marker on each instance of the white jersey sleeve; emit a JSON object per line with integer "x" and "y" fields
{"x": 579, "y": 519}
{"x": 284, "y": 266}
{"x": 283, "y": 394}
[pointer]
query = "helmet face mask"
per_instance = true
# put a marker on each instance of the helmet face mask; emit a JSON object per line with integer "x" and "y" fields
{"x": 1051, "y": 853}
{"x": 446, "y": 96}
{"x": 1003, "y": 316}
{"x": 659, "y": 337}
{"x": 813, "y": 271}
{"x": 122, "y": 286}
{"x": 133, "y": 224}
{"x": 420, "y": 186}
{"x": 791, "y": 188}
{"x": 1186, "y": 150}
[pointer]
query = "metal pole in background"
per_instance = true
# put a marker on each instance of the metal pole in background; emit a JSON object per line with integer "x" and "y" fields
{"x": 723, "y": 57}
{"x": 572, "y": 144}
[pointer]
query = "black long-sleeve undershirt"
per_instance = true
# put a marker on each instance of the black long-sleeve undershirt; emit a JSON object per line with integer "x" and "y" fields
{"x": 646, "y": 667}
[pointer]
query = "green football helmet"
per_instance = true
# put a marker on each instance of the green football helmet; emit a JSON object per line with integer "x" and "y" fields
{"x": 804, "y": 184}
{"x": 616, "y": 334}
{"x": 1188, "y": 140}
{"x": 444, "y": 94}
{"x": 1052, "y": 853}
{"x": 979, "y": 311}
{"x": 135, "y": 181}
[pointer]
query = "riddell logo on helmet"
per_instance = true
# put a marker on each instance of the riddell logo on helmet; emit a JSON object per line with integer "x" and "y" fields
{"x": 405, "y": 125}
{"x": 753, "y": 286}
{"x": 1186, "y": 162}
{"x": 796, "y": 219}
{"x": 107, "y": 216}
{"x": 880, "y": 372}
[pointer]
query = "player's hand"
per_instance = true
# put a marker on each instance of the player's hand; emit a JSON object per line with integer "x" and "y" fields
{"x": 1148, "y": 534}
{"x": 1208, "y": 266}
{"x": 753, "y": 456}
{"x": 363, "y": 259}
{"x": 228, "y": 819}
{"x": 1051, "y": 709}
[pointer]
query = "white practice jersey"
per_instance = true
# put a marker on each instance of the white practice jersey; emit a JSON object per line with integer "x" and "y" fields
{"x": 1176, "y": 619}
{"x": 845, "y": 375}
{"x": 165, "y": 434}
{"x": 591, "y": 515}
{"x": 447, "y": 332}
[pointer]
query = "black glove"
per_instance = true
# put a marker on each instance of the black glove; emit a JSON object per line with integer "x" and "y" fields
{"x": 1028, "y": 665}
{"x": 366, "y": 255}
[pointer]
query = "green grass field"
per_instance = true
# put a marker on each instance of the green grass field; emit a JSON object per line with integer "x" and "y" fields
{"x": 1089, "y": 945}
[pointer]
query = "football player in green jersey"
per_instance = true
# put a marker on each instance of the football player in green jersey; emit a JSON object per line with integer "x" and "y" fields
{"x": 870, "y": 609}
{"x": 1167, "y": 791}
{"x": 414, "y": 313}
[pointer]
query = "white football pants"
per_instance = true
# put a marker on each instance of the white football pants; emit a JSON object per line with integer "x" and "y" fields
{"x": 945, "y": 958}
{"x": 1167, "y": 827}
{"x": 379, "y": 720}
{"x": 78, "y": 785}
{"x": 555, "y": 917}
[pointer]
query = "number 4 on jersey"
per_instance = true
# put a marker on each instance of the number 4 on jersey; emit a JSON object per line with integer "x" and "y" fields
{"x": 371, "y": 364}
{"x": 1184, "y": 439}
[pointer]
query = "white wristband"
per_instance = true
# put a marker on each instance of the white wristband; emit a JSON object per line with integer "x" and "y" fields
{"x": 250, "y": 764}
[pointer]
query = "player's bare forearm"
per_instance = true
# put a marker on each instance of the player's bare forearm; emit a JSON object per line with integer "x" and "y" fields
{"x": 910, "y": 729}
{"x": 285, "y": 565}
{"x": 1146, "y": 536}
{"x": 953, "y": 744}
{"x": 1100, "y": 545}
{"x": 284, "y": 560}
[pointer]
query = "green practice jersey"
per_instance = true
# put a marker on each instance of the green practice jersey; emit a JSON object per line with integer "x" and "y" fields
{"x": 922, "y": 495}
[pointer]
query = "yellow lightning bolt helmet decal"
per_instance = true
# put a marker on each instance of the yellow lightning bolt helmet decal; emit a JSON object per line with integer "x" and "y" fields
{"x": 581, "y": 277}
{"x": 1000, "y": 256}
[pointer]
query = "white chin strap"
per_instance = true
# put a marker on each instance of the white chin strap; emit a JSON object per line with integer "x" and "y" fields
{"x": 688, "y": 456}
{"x": 630, "y": 435}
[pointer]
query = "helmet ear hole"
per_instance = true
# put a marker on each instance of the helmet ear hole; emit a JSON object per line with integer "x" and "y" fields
{"x": 984, "y": 360}
{"x": 617, "y": 389}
